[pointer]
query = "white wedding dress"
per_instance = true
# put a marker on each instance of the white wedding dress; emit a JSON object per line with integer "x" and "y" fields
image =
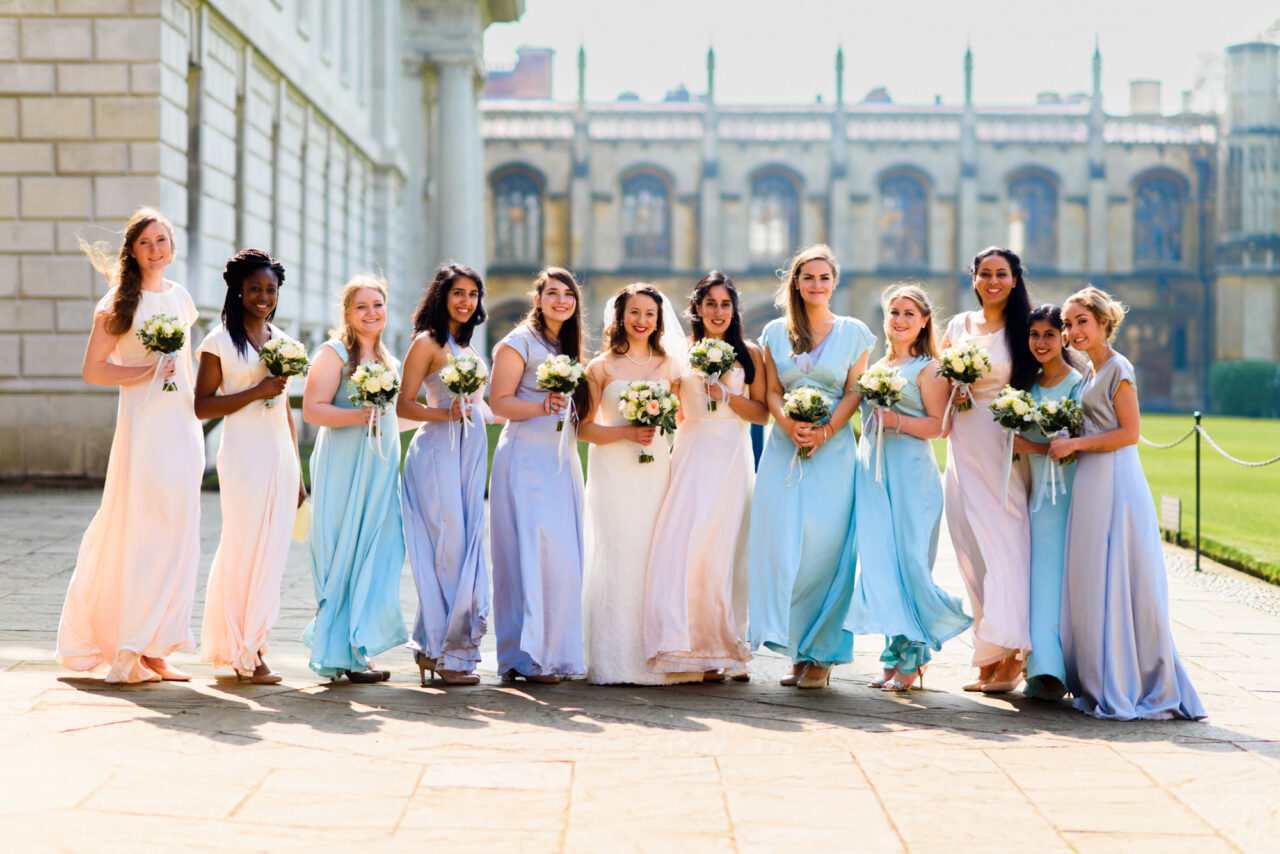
{"x": 623, "y": 497}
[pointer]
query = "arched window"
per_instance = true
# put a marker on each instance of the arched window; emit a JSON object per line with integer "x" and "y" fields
{"x": 1033, "y": 220}
{"x": 904, "y": 235}
{"x": 774, "y": 227}
{"x": 646, "y": 220}
{"x": 1157, "y": 222}
{"x": 517, "y": 212}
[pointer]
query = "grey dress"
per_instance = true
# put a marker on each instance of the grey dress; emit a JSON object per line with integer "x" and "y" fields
{"x": 1120, "y": 659}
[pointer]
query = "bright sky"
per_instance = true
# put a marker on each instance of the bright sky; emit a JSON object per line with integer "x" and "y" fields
{"x": 783, "y": 51}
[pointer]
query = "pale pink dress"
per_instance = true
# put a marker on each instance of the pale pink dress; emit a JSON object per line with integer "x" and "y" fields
{"x": 134, "y": 583}
{"x": 992, "y": 541}
{"x": 697, "y": 567}
{"x": 258, "y": 482}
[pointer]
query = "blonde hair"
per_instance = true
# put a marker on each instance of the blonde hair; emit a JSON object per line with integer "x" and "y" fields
{"x": 792, "y": 304}
{"x": 122, "y": 271}
{"x": 1108, "y": 311}
{"x": 344, "y": 331}
{"x": 926, "y": 343}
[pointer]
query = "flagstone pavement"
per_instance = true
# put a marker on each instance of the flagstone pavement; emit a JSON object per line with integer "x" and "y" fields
{"x": 304, "y": 765}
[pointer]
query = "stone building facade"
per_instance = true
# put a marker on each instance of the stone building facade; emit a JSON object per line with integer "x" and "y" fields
{"x": 317, "y": 129}
{"x": 1132, "y": 202}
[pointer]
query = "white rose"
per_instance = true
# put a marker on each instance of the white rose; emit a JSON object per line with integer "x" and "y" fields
{"x": 372, "y": 386}
{"x": 388, "y": 381}
{"x": 715, "y": 354}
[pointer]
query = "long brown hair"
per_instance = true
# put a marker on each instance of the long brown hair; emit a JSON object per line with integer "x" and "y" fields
{"x": 926, "y": 343}
{"x": 615, "y": 335}
{"x": 572, "y": 340}
{"x": 122, "y": 272}
{"x": 792, "y": 304}
{"x": 346, "y": 333}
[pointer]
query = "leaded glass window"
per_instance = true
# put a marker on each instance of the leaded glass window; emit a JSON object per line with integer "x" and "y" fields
{"x": 774, "y": 227}
{"x": 1033, "y": 214}
{"x": 904, "y": 237}
{"x": 517, "y": 208}
{"x": 1157, "y": 222}
{"x": 646, "y": 220}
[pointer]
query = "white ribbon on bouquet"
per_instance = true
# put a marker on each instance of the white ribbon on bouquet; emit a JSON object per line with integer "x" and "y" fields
{"x": 1054, "y": 482}
{"x": 1008, "y": 465}
{"x": 468, "y": 416}
{"x": 155, "y": 375}
{"x": 879, "y": 413}
{"x": 373, "y": 432}
{"x": 946, "y": 413}
{"x": 566, "y": 421}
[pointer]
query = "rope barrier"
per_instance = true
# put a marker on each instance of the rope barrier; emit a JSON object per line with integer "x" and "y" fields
{"x": 1150, "y": 444}
{"x": 1238, "y": 462}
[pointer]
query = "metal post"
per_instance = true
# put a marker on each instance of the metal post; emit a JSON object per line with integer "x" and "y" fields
{"x": 1197, "y": 414}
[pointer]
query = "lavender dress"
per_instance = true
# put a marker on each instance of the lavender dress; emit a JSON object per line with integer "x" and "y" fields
{"x": 1120, "y": 659}
{"x": 536, "y": 534}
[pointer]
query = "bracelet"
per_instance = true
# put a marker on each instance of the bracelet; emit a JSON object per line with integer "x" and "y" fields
{"x": 897, "y": 429}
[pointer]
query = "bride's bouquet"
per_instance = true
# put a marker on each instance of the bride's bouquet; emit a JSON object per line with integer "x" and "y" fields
{"x": 1062, "y": 417}
{"x": 164, "y": 335}
{"x": 964, "y": 364}
{"x": 881, "y": 386}
{"x": 711, "y": 358}
{"x": 1015, "y": 410}
{"x": 807, "y": 404}
{"x": 560, "y": 374}
{"x": 373, "y": 386}
{"x": 462, "y": 377}
{"x": 649, "y": 404}
{"x": 284, "y": 357}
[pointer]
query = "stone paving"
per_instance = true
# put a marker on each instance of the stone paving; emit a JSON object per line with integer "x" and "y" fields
{"x": 221, "y": 765}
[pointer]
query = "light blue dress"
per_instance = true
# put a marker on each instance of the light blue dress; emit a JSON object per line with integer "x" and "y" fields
{"x": 357, "y": 544}
{"x": 1116, "y": 639}
{"x": 444, "y": 473}
{"x": 536, "y": 534}
{"x": 801, "y": 550}
{"x": 1048, "y": 541}
{"x": 898, "y": 521}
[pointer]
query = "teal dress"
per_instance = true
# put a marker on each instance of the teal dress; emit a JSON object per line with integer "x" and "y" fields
{"x": 357, "y": 541}
{"x": 898, "y": 520}
{"x": 1048, "y": 544}
{"x": 801, "y": 551}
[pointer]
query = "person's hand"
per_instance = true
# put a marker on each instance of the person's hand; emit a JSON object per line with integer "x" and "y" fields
{"x": 302, "y": 492}
{"x": 455, "y": 410}
{"x": 167, "y": 367}
{"x": 553, "y": 403}
{"x": 1061, "y": 447}
{"x": 803, "y": 434}
{"x": 270, "y": 387}
{"x": 961, "y": 396}
{"x": 642, "y": 435}
{"x": 1023, "y": 445}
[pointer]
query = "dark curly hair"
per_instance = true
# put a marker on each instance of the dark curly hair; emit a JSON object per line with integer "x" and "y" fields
{"x": 615, "y": 335}
{"x": 432, "y": 314}
{"x": 1017, "y": 314}
{"x": 239, "y": 266}
{"x": 733, "y": 335}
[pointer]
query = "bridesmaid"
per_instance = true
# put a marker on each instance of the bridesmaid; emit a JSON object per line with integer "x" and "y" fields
{"x": 259, "y": 472}
{"x": 802, "y": 534}
{"x": 1046, "y": 672}
{"x": 898, "y": 516}
{"x": 128, "y": 605}
{"x": 444, "y": 474}
{"x": 535, "y": 497}
{"x": 1121, "y": 663}
{"x": 357, "y": 545}
{"x": 692, "y": 619}
{"x": 992, "y": 539}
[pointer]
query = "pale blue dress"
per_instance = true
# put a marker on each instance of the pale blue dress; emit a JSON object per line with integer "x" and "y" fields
{"x": 444, "y": 473}
{"x": 1116, "y": 639}
{"x": 801, "y": 548}
{"x": 898, "y": 521}
{"x": 357, "y": 543}
{"x": 1048, "y": 541}
{"x": 536, "y": 534}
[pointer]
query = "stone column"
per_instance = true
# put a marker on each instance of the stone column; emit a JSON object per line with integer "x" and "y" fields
{"x": 967, "y": 213}
{"x": 1097, "y": 214}
{"x": 457, "y": 197}
{"x": 710, "y": 227}
{"x": 580, "y": 232}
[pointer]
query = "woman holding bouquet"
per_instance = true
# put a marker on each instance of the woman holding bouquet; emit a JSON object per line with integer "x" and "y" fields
{"x": 444, "y": 474}
{"x": 1057, "y": 379}
{"x": 695, "y": 608}
{"x": 992, "y": 537}
{"x": 357, "y": 544}
{"x": 624, "y": 494}
{"x": 802, "y": 529}
{"x": 535, "y": 494}
{"x": 898, "y": 506}
{"x": 259, "y": 473}
{"x": 128, "y": 605}
{"x": 1121, "y": 663}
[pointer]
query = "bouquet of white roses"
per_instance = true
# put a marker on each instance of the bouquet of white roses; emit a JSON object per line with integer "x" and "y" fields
{"x": 964, "y": 364}
{"x": 463, "y": 376}
{"x": 373, "y": 386}
{"x": 649, "y": 404}
{"x": 1058, "y": 417}
{"x": 711, "y": 358}
{"x": 1015, "y": 410}
{"x": 284, "y": 357}
{"x": 163, "y": 334}
{"x": 881, "y": 385}
{"x": 807, "y": 404}
{"x": 560, "y": 374}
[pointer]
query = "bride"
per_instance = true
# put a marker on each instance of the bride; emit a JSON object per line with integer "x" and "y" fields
{"x": 623, "y": 496}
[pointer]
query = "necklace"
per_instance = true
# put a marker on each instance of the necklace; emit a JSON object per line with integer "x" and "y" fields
{"x": 1056, "y": 378}
{"x": 637, "y": 362}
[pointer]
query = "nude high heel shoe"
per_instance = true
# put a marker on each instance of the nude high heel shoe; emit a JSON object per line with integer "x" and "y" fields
{"x": 424, "y": 663}
{"x": 808, "y": 681}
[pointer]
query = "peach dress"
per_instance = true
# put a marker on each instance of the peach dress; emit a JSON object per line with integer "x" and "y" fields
{"x": 135, "y": 578}
{"x": 258, "y": 486}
